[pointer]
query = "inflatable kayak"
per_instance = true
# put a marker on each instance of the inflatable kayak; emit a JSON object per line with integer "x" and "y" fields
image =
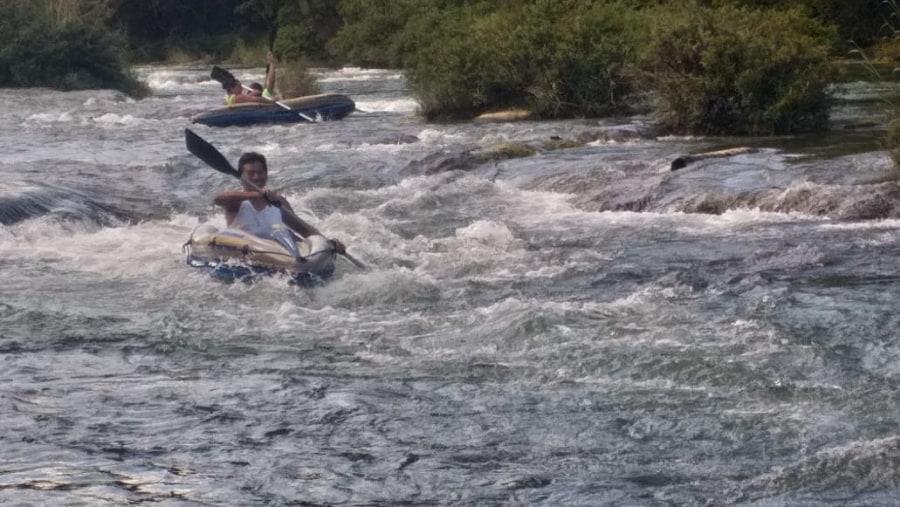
{"x": 324, "y": 107}
{"x": 234, "y": 255}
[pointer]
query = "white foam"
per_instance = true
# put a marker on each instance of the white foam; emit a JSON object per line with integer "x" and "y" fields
{"x": 486, "y": 231}
{"x": 888, "y": 224}
{"x": 382, "y": 147}
{"x": 388, "y": 105}
{"x": 117, "y": 119}
{"x": 436, "y": 136}
{"x": 356, "y": 74}
{"x": 63, "y": 117}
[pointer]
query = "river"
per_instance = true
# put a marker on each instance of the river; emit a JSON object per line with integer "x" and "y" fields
{"x": 578, "y": 327}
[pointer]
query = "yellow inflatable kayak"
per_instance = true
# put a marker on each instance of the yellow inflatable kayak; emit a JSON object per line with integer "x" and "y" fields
{"x": 232, "y": 254}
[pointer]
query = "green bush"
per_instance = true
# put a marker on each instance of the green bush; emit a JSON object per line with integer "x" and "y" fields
{"x": 465, "y": 66}
{"x": 290, "y": 41}
{"x": 374, "y": 32}
{"x": 594, "y": 49}
{"x": 304, "y": 28}
{"x": 68, "y": 57}
{"x": 892, "y": 141}
{"x": 555, "y": 58}
{"x": 861, "y": 21}
{"x": 733, "y": 70}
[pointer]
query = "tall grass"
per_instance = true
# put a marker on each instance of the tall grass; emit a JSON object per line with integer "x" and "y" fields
{"x": 63, "y": 11}
{"x": 294, "y": 79}
{"x": 248, "y": 53}
{"x": 891, "y": 96}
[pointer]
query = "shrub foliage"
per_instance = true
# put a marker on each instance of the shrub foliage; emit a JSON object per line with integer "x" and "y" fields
{"x": 73, "y": 55}
{"x": 556, "y": 58}
{"x": 733, "y": 70}
{"x": 710, "y": 66}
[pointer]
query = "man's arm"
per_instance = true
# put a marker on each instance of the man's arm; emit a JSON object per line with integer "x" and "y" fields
{"x": 231, "y": 200}
{"x": 270, "y": 74}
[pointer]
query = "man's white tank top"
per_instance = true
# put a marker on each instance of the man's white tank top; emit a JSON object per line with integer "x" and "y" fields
{"x": 258, "y": 223}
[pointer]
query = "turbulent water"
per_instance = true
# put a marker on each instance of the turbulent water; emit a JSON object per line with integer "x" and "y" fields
{"x": 578, "y": 327}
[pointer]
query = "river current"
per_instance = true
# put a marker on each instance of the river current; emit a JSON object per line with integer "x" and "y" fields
{"x": 578, "y": 327}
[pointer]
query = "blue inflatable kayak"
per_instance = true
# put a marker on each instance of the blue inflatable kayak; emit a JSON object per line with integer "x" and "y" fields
{"x": 324, "y": 107}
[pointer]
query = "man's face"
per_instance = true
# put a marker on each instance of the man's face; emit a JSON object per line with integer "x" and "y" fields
{"x": 255, "y": 172}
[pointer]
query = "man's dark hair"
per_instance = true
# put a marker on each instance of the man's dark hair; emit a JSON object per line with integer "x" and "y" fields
{"x": 250, "y": 157}
{"x": 256, "y": 86}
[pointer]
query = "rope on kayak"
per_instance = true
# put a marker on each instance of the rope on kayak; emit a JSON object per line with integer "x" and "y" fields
{"x": 246, "y": 250}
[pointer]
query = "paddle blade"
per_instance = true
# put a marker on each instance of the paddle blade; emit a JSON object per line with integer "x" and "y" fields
{"x": 221, "y": 75}
{"x": 208, "y": 153}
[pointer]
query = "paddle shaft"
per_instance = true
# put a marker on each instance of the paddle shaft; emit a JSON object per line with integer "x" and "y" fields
{"x": 287, "y": 212}
{"x": 282, "y": 104}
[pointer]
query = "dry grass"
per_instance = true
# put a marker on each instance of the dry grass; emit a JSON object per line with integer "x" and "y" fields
{"x": 295, "y": 80}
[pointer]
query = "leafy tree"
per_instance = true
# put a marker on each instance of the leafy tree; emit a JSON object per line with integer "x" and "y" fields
{"x": 304, "y": 28}
{"x": 152, "y": 27}
{"x": 861, "y": 21}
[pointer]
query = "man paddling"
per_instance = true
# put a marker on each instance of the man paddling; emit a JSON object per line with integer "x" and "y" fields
{"x": 253, "y": 212}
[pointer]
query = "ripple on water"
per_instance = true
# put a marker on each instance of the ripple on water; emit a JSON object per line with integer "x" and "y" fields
{"x": 578, "y": 327}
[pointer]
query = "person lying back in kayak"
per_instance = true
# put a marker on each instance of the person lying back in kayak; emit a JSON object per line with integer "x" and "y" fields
{"x": 236, "y": 95}
{"x": 253, "y": 212}
{"x": 255, "y": 92}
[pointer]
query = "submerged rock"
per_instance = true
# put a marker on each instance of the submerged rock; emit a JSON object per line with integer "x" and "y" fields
{"x": 399, "y": 139}
{"x": 683, "y": 161}
{"x": 505, "y": 151}
{"x": 442, "y": 162}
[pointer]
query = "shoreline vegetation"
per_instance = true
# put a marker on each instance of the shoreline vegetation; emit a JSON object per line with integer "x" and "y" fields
{"x": 713, "y": 67}
{"x": 56, "y": 45}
